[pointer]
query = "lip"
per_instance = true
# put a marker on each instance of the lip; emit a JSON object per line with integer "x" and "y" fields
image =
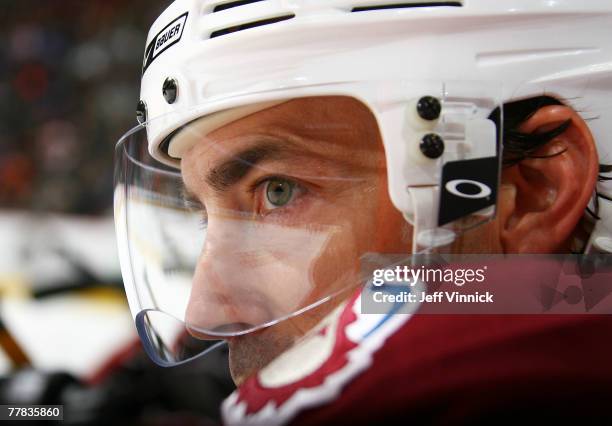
{"x": 222, "y": 332}
{"x": 233, "y": 341}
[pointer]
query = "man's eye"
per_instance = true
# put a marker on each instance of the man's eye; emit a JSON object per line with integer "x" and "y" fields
{"x": 278, "y": 192}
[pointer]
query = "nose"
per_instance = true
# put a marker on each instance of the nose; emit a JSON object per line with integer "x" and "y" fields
{"x": 222, "y": 300}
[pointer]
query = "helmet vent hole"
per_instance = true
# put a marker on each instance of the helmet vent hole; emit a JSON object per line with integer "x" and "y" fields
{"x": 407, "y": 5}
{"x": 249, "y": 25}
{"x": 232, "y": 4}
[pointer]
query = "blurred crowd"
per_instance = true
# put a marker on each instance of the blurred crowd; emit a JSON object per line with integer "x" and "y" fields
{"x": 69, "y": 81}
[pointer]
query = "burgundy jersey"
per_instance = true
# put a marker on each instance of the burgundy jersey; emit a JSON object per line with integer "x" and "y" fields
{"x": 435, "y": 369}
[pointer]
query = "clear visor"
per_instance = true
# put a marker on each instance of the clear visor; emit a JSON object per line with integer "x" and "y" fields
{"x": 267, "y": 218}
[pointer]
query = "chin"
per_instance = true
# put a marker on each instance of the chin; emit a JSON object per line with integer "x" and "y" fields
{"x": 251, "y": 352}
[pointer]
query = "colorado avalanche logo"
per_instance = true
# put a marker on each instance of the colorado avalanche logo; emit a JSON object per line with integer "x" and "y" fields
{"x": 337, "y": 351}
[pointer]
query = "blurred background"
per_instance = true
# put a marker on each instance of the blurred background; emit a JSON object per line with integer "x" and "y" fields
{"x": 69, "y": 82}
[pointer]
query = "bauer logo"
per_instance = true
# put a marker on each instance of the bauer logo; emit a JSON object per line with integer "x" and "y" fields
{"x": 168, "y": 36}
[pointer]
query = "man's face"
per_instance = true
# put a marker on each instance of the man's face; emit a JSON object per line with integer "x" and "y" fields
{"x": 292, "y": 196}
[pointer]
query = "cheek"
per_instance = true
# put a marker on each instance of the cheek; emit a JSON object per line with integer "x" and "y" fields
{"x": 393, "y": 234}
{"x": 363, "y": 227}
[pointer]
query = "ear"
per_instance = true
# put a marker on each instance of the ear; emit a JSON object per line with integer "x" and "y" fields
{"x": 542, "y": 199}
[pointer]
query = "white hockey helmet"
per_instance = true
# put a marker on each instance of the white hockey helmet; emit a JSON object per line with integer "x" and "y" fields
{"x": 434, "y": 77}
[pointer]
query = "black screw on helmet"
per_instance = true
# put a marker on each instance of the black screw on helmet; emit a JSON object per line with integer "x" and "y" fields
{"x": 429, "y": 108}
{"x": 141, "y": 112}
{"x": 170, "y": 90}
{"x": 432, "y": 146}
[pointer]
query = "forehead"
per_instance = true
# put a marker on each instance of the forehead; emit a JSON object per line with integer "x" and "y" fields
{"x": 311, "y": 128}
{"x": 307, "y": 117}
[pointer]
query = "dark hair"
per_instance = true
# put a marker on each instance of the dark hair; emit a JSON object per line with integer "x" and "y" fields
{"x": 519, "y": 146}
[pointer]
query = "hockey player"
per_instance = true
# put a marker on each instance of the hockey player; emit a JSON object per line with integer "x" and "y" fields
{"x": 285, "y": 143}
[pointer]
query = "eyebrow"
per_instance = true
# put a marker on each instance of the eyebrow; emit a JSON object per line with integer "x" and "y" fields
{"x": 237, "y": 166}
{"x": 231, "y": 171}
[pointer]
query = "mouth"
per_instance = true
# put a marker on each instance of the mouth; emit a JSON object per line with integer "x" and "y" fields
{"x": 223, "y": 332}
{"x": 251, "y": 352}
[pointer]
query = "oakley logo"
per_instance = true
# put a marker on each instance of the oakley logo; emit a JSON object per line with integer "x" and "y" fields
{"x": 466, "y": 188}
